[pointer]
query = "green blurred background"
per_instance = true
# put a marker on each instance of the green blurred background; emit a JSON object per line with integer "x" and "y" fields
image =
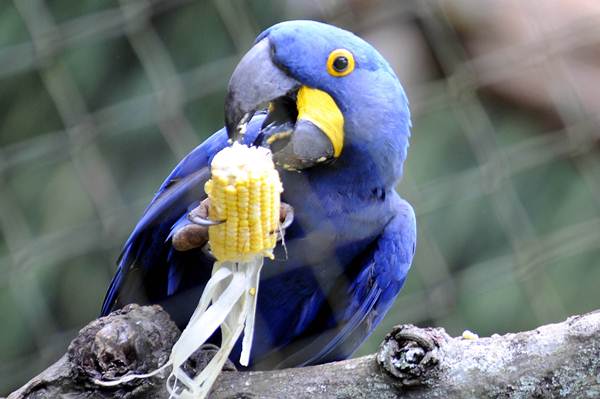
{"x": 99, "y": 99}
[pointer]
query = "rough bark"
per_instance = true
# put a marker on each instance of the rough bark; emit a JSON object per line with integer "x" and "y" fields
{"x": 553, "y": 361}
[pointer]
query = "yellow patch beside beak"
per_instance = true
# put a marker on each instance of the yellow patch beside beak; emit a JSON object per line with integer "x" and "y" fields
{"x": 319, "y": 108}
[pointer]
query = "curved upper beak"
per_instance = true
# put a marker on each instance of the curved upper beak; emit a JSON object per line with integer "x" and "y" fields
{"x": 255, "y": 81}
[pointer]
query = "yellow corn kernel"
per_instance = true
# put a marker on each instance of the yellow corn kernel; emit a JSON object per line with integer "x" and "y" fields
{"x": 244, "y": 191}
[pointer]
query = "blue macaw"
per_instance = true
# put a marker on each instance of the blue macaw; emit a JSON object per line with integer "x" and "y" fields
{"x": 350, "y": 245}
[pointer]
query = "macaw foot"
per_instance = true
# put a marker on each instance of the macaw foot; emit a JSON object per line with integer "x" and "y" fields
{"x": 286, "y": 217}
{"x": 195, "y": 234}
{"x": 411, "y": 354}
{"x": 200, "y": 359}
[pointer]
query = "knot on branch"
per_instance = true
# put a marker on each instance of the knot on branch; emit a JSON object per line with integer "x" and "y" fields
{"x": 411, "y": 355}
{"x": 134, "y": 339}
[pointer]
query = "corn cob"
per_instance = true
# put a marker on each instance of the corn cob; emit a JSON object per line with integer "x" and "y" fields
{"x": 244, "y": 191}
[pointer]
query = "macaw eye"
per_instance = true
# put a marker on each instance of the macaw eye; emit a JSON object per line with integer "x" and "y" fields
{"x": 340, "y": 63}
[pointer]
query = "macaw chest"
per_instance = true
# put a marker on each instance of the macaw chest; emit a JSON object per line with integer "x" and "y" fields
{"x": 325, "y": 237}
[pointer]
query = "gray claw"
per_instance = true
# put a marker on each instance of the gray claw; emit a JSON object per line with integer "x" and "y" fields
{"x": 202, "y": 221}
{"x": 289, "y": 215}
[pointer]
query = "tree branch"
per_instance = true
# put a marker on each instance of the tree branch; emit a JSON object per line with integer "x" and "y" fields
{"x": 556, "y": 360}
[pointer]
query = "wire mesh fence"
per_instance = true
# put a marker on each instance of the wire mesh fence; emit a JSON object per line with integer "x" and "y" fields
{"x": 100, "y": 99}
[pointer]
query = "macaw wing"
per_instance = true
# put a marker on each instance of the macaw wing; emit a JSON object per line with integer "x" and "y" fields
{"x": 380, "y": 274}
{"x": 146, "y": 249}
{"x": 149, "y": 268}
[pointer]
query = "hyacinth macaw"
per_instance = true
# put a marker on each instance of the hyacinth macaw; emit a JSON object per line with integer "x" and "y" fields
{"x": 350, "y": 245}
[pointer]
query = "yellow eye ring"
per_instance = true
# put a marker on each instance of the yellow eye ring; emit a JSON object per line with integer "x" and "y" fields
{"x": 340, "y": 62}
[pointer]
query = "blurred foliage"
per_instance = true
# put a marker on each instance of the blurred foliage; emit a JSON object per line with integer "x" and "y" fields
{"x": 508, "y": 206}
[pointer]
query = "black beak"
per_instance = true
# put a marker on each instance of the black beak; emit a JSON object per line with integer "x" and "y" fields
{"x": 255, "y": 81}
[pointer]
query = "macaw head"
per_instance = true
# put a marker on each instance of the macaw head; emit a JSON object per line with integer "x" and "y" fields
{"x": 331, "y": 98}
